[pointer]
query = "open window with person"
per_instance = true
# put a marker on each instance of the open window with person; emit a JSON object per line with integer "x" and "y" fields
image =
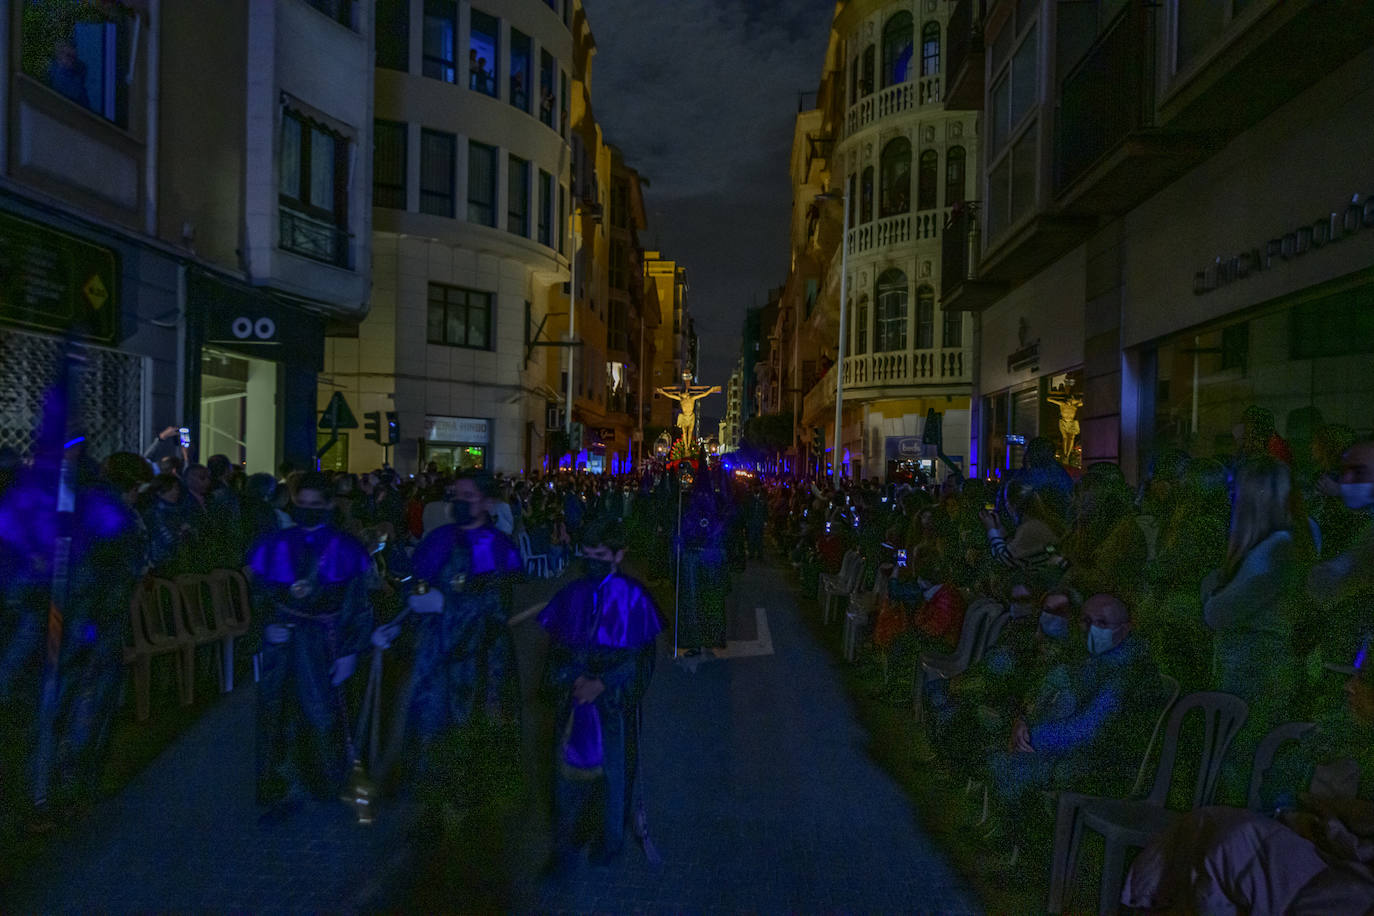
{"x": 521, "y": 66}
{"x": 483, "y": 53}
{"x": 81, "y": 50}
{"x": 889, "y": 332}
{"x": 898, "y": 36}
{"x": 895, "y": 177}
{"x": 548, "y": 70}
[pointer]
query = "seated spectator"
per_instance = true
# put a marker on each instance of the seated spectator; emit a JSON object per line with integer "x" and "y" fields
{"x": 1086, "y": 738}
{"x": 1024, "y": 540}
{"x": 1248, "y": 603}
{"x": 1313, "y": 857}
{"x": 1105, "y": 547}
{"x": 1344, "y": 584}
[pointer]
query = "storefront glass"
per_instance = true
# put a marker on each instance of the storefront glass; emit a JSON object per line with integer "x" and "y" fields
{"x": 1049, "y": 406}
{"x": 451, "y": 457}
{"x": 1308, "y": 362}
{"x": 238, "y": 410}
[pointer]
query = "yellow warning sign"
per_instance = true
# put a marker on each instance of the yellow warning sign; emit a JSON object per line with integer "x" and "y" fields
{"x": 95, "y": 291}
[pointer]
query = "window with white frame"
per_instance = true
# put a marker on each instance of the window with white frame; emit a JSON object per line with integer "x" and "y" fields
{"x": 898, "y": 37}
{"x": 889, "y": 332}
{"x": 312, "y": 190}
{"x": 952, "y": 333}
{"x": 925, "y": 318}
{"x": 894, "y": 192}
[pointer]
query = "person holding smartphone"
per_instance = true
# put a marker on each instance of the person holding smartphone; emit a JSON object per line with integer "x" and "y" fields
{"x": 173, "y": 442}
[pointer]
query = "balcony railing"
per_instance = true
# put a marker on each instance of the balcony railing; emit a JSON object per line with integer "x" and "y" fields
{"x": 894, "y": 100}
{"x": 897, "y": 230}
{"x": 951, "y": 366}
{"x": 1106, "y": 97}
{"x": 906, "y": 367}
{"x": 315, "y": 238}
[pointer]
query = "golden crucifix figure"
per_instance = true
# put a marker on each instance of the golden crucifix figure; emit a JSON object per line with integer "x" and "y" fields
{"x": 1069, "y": 404}
{"x": 687, "y": 398}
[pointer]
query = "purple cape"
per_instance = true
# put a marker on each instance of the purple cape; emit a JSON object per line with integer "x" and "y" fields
{"x": 284, "y": 557}
{"x": 492, "y": 552}
{"x": 627, "y": 617}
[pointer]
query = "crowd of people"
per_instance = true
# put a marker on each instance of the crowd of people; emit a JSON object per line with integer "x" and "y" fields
{"x": 1252, "y": 576}
{"x": 344, "y": 568}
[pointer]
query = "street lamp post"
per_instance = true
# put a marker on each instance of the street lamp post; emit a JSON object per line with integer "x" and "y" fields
{"x": 844, "y": 318}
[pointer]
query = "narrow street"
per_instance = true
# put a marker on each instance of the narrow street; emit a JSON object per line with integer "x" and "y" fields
{"x": 760, "y": 792}
{"x": 760, "y": 796}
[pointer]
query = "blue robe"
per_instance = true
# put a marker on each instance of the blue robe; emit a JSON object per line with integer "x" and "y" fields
{"x": 601, "y": 630}
{"x": 302, "y": 728}
{"x": 104, "y": 565}
{"x": 464, "y": 656}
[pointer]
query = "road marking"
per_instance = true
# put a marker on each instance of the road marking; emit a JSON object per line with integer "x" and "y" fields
{"x": 527, "y": 613}
{"x": 745, "y": 648}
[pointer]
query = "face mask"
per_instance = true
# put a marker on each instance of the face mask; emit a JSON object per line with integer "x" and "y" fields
{"x": 1054, "y": 626}
{"x": 597, "y": 569}
{"x": 1100, "y": 639}
{"x": 462, "y": 511}
{"x": 310, "y": 517}
{"x": 1358, "y": 495}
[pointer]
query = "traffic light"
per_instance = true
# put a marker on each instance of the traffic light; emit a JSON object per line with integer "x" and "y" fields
{"x": 575, "y": 437}
{"x": 393, "y": 428}
{"x": 372, "y": 425}
{"x": 818, "y": 440}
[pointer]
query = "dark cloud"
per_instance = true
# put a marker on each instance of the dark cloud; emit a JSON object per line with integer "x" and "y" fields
{"x": 701, "y": 95}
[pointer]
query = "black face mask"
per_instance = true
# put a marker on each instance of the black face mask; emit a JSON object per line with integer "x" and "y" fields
{"x": 462, "y": 512}
{"x": 597, "y": 569}
{"x": 311, "y": 517}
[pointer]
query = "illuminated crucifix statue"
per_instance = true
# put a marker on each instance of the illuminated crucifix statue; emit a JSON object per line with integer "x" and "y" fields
{"x": 687, "y": 398}
{"x": 1069, "y": 405}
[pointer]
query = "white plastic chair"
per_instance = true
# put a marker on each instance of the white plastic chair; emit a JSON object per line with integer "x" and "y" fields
{"x": 1131, "y": 822}
{"x": 860, "y": 612}
{"x": 840, "y": 585}
{"x": 986, "y": 616}
{"x": 536, "y": 564}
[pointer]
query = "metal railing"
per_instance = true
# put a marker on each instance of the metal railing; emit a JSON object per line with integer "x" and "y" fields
{"x": 958, "y": 250}
{"x": 964, "y": 33}
{"x": 1107, "y": 96}
{"x": 315, "y": 238}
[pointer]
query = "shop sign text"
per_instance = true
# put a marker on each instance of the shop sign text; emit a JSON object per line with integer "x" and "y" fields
{"x": 1335, "y": 226}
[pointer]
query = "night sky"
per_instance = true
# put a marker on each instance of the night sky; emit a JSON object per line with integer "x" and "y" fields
{"x": 701, "y": 95}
